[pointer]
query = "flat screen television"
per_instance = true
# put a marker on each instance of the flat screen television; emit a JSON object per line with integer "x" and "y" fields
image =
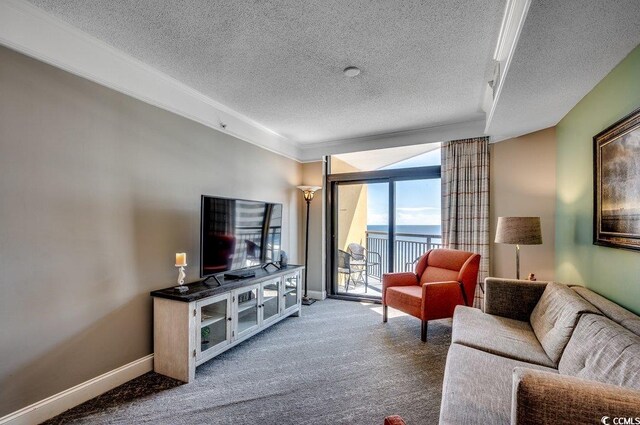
{"x": 238, "y": 234}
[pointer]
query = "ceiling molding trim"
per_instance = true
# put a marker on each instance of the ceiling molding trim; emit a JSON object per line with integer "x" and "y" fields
{"x": 31, "y": 31}
{"x": 513, "y": 20}
{"x": 440, "y": 133}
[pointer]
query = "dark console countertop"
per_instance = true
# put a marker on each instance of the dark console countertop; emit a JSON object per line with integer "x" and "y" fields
{"x": 198, "y": 290}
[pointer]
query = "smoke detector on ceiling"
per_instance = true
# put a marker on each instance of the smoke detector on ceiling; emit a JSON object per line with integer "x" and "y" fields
{"x": 351, "y": 71}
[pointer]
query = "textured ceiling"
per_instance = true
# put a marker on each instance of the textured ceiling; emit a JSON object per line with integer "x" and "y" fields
{"x": 565, "y": 48}
{"x": 280, "y": 62}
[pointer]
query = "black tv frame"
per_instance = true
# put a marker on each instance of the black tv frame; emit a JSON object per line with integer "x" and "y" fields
{"x": 264, "y": 265}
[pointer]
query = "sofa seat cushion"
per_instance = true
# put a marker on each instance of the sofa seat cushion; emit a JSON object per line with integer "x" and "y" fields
{"x": 498, "y": 335}
{"x": 555, "y": 317}
{"x": 477, "y": 387}
{"x": 601, "y": 350}
{"x": 405, "y": 298}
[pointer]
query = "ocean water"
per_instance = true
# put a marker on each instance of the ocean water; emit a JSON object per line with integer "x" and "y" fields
{"x": 412, "y": 229}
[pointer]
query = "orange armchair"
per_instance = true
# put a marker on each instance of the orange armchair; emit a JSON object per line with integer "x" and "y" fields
{"x": 443, "y": 279}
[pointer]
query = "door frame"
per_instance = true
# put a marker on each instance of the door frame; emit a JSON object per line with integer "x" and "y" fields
{"x": 364, "y": 177}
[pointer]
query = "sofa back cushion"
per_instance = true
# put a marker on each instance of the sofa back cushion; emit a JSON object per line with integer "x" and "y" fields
{"x": 613, "y": 311}
{"x": 555, "y": 317}
{"x": 602, "y": 350}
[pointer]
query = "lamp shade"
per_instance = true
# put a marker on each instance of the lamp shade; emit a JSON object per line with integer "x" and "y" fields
{"x": 519, "y": 230}
{"x": 309, "y": 191}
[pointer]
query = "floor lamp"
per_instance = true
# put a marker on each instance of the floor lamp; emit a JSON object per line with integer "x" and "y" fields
{"x": 519, "y": 231}
{"x": 308, "y": 191}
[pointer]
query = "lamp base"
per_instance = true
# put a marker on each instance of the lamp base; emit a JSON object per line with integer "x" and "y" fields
{"x": 307, "y": 301}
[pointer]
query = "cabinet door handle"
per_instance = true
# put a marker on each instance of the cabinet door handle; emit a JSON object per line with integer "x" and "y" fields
{"x": 229, "y": 318}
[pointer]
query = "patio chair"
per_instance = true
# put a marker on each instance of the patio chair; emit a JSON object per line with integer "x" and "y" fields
{"x": 361, "y": 260}
{"x": 344, "y": 267}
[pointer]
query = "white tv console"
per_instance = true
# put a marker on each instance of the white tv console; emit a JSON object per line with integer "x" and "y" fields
{"x": 193, "y": 326}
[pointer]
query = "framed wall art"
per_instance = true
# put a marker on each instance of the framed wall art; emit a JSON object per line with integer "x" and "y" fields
{"x": 617, "y": 184}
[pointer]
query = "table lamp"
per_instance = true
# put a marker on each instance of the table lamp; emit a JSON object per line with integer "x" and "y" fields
{"x": 519, "y": 231}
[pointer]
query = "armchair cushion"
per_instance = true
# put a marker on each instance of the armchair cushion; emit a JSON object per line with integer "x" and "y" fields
{"x": 447, "y": 259}
{"x": 436, "y": 274}
{"x": 405, "y": 298}
{"x": 555, "y": 317}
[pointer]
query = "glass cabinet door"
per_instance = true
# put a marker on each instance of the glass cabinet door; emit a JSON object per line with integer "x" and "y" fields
{"x": 214, "y": 330}
{"x": 291, "y": 290}
{"x": 247, "y": 310}
{"x": 270, "y": 300}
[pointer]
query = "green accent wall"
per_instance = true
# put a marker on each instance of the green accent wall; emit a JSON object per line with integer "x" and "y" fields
{"x": 613, "y": 273}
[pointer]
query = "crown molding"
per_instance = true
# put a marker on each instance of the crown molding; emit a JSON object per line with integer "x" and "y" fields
{"x": 314, "y": 151}
{"x": 35, "y": 33}
{"x": 513, "y": 20}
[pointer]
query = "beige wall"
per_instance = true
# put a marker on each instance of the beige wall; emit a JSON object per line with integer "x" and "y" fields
{"x": 352, "y": 215}
{"x": 312, "y": 176}
{"x": 523, "y": 183}
{"x": 98, "y": 191}
{"x": 352, "y": 207}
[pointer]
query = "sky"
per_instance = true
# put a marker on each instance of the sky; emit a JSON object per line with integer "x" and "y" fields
{"x": 417, "y": 201}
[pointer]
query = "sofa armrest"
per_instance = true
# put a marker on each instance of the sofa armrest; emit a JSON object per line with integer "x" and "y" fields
{"x": 510, "y": 298}
{"x": 547, "y": 398}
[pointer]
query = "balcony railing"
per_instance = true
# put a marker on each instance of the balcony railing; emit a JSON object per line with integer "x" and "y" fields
{"x": 408, "y": 247}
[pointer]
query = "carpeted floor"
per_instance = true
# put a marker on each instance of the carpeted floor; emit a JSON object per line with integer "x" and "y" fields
{"x": 337, "y": 364}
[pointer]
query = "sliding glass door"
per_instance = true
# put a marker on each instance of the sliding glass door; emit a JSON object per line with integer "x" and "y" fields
{"x": 362, "y": 212}
{"x": 380, "y": 221}
{"x": 417, "y": 221}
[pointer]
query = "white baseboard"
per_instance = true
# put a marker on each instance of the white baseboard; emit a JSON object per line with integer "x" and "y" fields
{"x": 65, "y": 400}
{"x": 316, "y": 295}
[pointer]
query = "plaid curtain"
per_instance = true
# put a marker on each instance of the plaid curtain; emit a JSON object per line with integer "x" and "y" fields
{"x": 465, "y": 201}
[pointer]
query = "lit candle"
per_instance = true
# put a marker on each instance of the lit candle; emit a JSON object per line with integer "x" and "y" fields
{"x": 181, "y": 259}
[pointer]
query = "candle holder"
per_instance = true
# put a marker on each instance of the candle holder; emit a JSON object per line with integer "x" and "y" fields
{"x": 181, "y": 275}
{"x": 181, "y": 263}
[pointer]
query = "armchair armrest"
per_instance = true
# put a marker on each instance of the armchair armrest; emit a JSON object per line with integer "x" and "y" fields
{"x": 397, "y": 279}
{"x": 510, "y": 298}
{"x": 546, "y": 398}
{"x": 439, "y": 299}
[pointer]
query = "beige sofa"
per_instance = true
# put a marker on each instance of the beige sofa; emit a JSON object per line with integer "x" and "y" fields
{"x": 542, "y": 353}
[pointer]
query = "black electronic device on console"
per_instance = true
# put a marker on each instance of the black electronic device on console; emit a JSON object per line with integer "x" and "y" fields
{"x": 240, "y": 274}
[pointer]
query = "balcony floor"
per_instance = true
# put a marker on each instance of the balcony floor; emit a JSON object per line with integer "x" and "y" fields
{"x": 374, "y": 288}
